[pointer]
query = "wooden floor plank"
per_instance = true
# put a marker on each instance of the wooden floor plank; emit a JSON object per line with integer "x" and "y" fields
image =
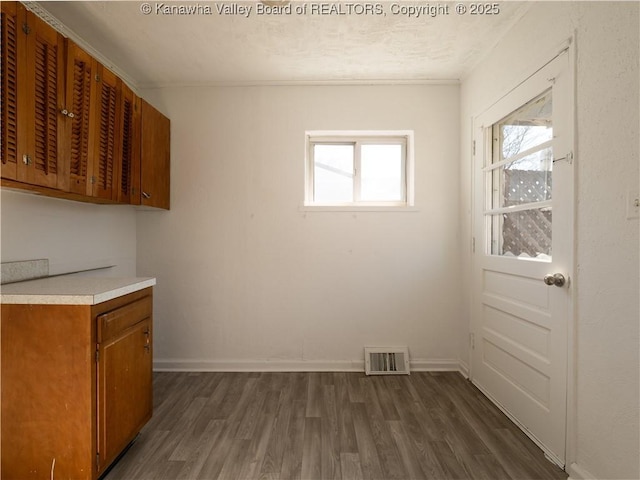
{"x": 405, "y": 449}
{"x": 312, "y": 449}
{"x": 348, "y": 442}
{"x": 388, "y": 455}
{"x": 272, "y": 464}
{"x": 350, "y": 466}
{"x": 219, "y": 451}
{"x": 314, "y": 397}
{"x": 330, "y": 448}
{"x": 342, "y": 426}
{"x": 255, "y": 455}
{"x": 199, "y": 454}
{"x": 292, "y": 461}
{"x": 369, "y": 459}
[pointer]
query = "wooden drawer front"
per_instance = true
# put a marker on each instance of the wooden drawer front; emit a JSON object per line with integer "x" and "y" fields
{"x": 110, "y": 324}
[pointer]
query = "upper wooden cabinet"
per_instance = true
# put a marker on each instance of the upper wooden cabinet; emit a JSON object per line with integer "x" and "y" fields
{"x": 33, "y": 88}
{"x": 155, "y": 158}
{"x": 71, "y": 128}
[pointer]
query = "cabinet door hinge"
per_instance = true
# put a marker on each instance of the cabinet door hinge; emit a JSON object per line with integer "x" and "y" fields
{"x": 98, "y": 461}
{"x": 97, "y": 356}
{"x": 26, "y": 28}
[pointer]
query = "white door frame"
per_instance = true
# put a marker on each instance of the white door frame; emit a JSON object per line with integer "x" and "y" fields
{"x": 571, "y": 389}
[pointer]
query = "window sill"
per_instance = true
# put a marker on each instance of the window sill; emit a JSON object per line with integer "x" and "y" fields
{"x": 358, "y": 208}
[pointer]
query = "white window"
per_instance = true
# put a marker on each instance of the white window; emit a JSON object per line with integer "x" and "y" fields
{"x": 359, "y": 169}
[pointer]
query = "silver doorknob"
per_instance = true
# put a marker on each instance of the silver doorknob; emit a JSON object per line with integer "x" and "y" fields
{"x": 556, "y": 279}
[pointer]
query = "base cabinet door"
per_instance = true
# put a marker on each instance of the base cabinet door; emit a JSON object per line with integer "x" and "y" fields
{"x": 124, "y": 377}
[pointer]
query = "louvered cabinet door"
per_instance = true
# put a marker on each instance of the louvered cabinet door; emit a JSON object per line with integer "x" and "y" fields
{"x": 128, "y": 170}
{"x": 106, "y": 153}
{"x": 12, "y": 47}
{"x": 80, "y": 95}
{"x": 45, "y": 92}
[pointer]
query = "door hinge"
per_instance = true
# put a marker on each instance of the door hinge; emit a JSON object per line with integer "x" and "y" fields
{"x": 472, "y": 341}
{"x": 97, "y": 356}
{"x": 473, "y": 245}
{"x": 26, "y": 28}
{"x": 474, "y": 147}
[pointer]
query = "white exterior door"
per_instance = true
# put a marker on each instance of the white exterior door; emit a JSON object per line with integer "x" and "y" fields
{"x": 523, "y": 260}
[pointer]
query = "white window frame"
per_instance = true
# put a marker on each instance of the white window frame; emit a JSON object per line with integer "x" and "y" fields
{"x": 359, "y": 138}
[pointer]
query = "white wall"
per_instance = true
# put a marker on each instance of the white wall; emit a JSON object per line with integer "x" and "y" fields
{"x": 604, "y": 432}
{"x": 247, "y": 280}
{"x": 72, "y": 235}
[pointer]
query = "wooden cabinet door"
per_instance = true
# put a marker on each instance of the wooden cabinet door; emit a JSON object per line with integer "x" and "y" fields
{"x": 128, "y": 171}
{"x": 32, "y": 93}
{"x": 12, "y": 46}
{"x": 154, "y": 158}
{"x": 44, "y": 94}
{"x": 81, "y": 89}
{"x": 125, "y": 398}
{"x": 106, "y": 152}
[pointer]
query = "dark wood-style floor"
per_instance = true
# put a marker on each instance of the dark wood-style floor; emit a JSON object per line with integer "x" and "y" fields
{"x": 278, "y": 426}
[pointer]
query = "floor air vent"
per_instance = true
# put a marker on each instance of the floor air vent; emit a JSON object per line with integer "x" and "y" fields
{"x": 386, "y": 361}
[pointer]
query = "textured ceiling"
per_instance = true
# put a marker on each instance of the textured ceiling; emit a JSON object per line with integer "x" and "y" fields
{"x": 337, "y": 44}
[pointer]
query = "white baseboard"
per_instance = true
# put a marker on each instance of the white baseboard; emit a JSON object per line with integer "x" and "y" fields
{"x": 435, "y": 365}
{"x": 464, "y": 369}
{"x": 195, "y": 365}
{"x": 183, "y": 365}
{"x": 576, "y": 472}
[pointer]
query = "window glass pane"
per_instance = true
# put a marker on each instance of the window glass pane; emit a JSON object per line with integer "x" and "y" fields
{"x": 381, "y": 173}
{"x": 527, "y": 127}
{"x": 333, "y": 173}
{"x": 522, "y": 234}
{"x": 527, "y": 180}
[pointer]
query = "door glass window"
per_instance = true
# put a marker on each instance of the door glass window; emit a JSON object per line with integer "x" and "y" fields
{"x": 519, "y": 208}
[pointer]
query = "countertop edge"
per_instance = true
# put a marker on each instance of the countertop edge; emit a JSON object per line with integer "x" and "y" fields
{"x": 76, "y": 299}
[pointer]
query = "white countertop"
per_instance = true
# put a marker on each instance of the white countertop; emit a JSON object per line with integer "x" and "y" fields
{"x": 71, "y": 290}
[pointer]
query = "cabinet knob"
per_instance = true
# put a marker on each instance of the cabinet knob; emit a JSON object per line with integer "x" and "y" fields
{"x": 146, "y": 195}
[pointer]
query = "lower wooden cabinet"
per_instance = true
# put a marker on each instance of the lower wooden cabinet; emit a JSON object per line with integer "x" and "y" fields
{"x": 76, "y": 385}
